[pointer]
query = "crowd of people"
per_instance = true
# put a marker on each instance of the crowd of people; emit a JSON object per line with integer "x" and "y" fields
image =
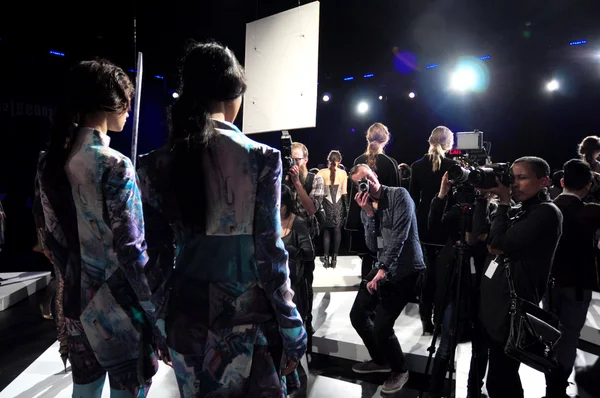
{"x": 204, "y": 256}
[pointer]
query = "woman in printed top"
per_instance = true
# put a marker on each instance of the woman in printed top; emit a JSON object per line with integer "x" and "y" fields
{"x": 335, "y": 206}
{"x": 230, "y": 313}
{"x": 94, "y": 232}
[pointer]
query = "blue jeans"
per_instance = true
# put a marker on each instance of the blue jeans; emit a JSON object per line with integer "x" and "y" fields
{"x": 572, "y": 314}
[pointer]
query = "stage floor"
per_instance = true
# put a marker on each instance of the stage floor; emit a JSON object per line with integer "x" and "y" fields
{"x": 17, "y": 286}
{"x": 334, "y": 337}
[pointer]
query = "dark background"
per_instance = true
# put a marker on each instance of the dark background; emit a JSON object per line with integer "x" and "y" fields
{"x": 528, "y": 42}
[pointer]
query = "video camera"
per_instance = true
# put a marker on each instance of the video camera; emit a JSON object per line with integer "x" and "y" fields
{"x": 475, "y": 170}
{"x": 286, "y": 152}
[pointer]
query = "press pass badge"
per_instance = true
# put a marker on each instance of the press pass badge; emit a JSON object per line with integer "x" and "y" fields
{"x": 379, "y": 242}
{"x": 491, "y": 269}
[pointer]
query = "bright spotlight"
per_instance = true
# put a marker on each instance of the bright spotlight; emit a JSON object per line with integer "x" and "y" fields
{"x": 552, "y": 85}
{"x": 411, "y": 95}
{"x": 362, "y": 108}
{"x": 175, "y": 94}
{"x": 463, "y": 79}
{"x": 326, "y": 97}
{"x": 380, "y": 97}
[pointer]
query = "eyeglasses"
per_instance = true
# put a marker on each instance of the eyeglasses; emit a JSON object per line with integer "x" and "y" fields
{"x": 297, "y": 160}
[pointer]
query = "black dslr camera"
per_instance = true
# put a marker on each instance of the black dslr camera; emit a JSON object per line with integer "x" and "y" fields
{"x": 286, "y": 152}
{"x": 481, "y": 177}
{"x": 363, "y": 185}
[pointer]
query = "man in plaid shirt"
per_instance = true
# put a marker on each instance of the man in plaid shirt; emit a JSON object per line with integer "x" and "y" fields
{"x": 309, "y": 192}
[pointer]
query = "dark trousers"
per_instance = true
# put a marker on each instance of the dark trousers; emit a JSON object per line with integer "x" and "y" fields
{"x": 430, "y": 253}
{"x": 503, "y": 379}
{"x": 572, "y": 312}
{"x": 444, "y": 351}
{"x": 367, "y": 264}
{"x": 373, "y": 318}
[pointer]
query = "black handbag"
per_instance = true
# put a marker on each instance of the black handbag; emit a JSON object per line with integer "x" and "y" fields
{"x": 533, "y": 332}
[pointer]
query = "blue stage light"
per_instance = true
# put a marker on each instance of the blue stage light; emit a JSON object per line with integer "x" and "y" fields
{"x": 431, "y": 66}
{"x": 484, "y": 57}
{"x": 159, "y": 77}
{"x": 57, "y": 53}
{"x": 369, "y": 75}
{"x": 349, "y": 78}
{"x": 578, "y": 42}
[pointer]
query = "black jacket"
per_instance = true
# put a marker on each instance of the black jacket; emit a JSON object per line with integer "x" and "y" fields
{"x": 300, "y": 249}
{"x": 528, "y": 235}
{"x": 424, "y": 185}
{"x": 575, "y": 260}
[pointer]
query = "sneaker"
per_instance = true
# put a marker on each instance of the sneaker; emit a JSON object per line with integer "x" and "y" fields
{"x": 370, "y": 367}
{"x": 394, "y": 383}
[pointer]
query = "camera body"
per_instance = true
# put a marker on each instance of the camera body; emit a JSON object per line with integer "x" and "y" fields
{"x": 475, "y": 170}
{"x": 286, "y": 152}
{"x": 363, "y": 185}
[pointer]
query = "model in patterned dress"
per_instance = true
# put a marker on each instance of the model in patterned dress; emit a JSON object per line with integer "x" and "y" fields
{"x": 94, "y": 230}
{"x": 230, "y": 322}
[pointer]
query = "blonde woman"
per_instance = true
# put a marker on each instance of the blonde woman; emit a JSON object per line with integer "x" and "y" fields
{"x": 426, "y": 177}
{"x": 335, "y": 206}
{"x": 386, "y": 168}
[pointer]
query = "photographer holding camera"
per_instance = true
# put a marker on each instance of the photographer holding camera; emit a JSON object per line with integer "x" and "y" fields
{"x": 526, "y": 236}
{"x": 309, "y": 191}
{"x": 389, "y": 219}
{"x": 448, "y": 220}
{"x": 574, "y": 271}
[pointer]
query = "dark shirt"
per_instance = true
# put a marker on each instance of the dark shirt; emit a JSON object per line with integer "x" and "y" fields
{"x": 300, "y": 249}
{"x": 424, "y": 185}
{"x": 395, "y": 221}
{"x": 387, "y": 174}
{"x": 575, "y": 261}
{"x": 528, "y": 235}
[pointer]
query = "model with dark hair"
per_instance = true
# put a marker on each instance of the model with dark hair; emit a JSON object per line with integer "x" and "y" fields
{"x": 94, "y": 230}
{"x": 230, "y": 314}
{"x": 335, "y": 206}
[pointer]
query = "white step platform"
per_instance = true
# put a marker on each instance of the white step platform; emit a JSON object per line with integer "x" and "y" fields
{"x": 591, "y": 329}
{"x": 17, "y": 286}
{"x": 46, "y": 378}
{"x": 346, "y": 275}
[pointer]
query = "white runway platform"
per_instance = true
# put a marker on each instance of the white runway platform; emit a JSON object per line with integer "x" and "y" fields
{"x": 335, "y": 292}
{"x": 17, "y": 286}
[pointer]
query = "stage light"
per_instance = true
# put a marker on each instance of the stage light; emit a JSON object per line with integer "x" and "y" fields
{"x": 411, "y": 95}
{"x": 578, "y": 42}
{"x": 159, "y": 77}
{"x": 380, "y": 97}
{"x": 175, "y": 94}
{"x": 57, "y": 53}
{"x": 349, "y": 78}
{"x": 326, "y": 97}
{"x": 552, "y": 85}
{"x": 463, "y": 79}
{"x": 369, "y": 75}
{"x": 362, "y": 108}
{"x": 431, "y": 66}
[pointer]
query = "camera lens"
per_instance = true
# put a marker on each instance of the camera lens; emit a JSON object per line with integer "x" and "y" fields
{"x": 458, "y": 174}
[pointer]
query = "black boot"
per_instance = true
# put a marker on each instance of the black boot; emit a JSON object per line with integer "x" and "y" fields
{"x": 437, "y": 386}
{"x": 326, "y": 263}
{"x": 333, "y": 261}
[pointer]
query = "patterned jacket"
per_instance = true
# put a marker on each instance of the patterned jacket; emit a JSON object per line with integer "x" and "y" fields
{"x": 95, "y": 231}
{"x": 234, "y": 275}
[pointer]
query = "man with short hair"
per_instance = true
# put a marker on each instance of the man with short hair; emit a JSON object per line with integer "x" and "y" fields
{"x": 390, "y": 223}
{"x": 574, "y": 270}
{"x": 309, "y": 192}
{"x": 526, "y": 235}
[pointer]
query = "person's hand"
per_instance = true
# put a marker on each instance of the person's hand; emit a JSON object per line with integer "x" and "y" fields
{"x": 291, "y": 365}
{"x": 494, "y": 251}
{"x": 294, "y": 174}
{"x": 501, "y": 190}
{"x": 362, "y": 198}
{"x": 372, "y": 286}
{"x": 1, "y": 215}
{"x": 445, "y": 186}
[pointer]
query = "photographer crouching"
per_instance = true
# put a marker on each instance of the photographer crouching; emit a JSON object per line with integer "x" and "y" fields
{"x": 524, "y": 238}
{"x": 389, "y": 219}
